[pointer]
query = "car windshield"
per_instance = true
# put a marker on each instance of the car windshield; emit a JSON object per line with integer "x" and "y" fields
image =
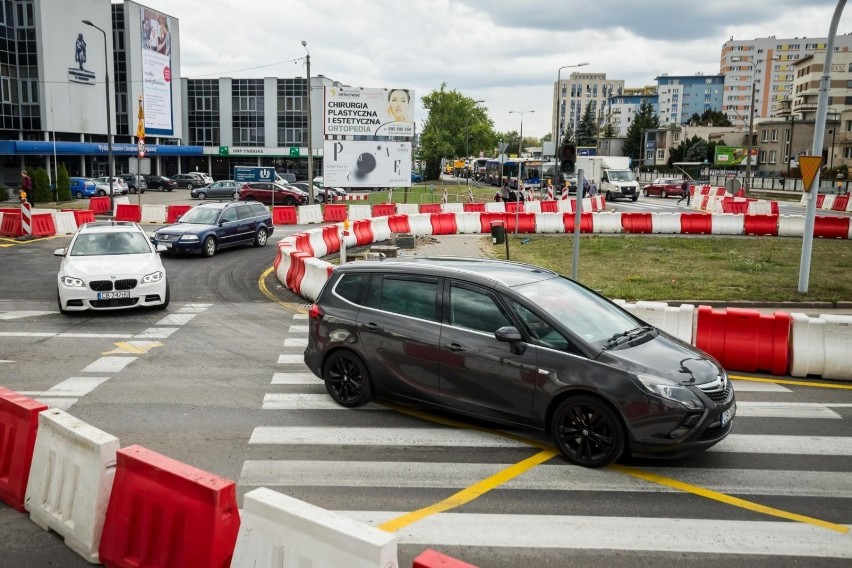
{"x": 102, "y": 244}
{"x": 579, "y": 310}
{"x": 200, "y": 216}
{"x": 620, "y": 175}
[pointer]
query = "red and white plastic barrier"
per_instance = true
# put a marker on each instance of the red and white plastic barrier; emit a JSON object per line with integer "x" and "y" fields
{"x": 674, "y": 320}
{"x": 820, "y": 346}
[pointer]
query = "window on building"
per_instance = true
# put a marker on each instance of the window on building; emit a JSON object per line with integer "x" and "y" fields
{"x": 849, "y": 126}
{"x": 772, "y": 156}
{"x": 847, "y": 152}
{"x": 775, "y": 135}
{"x": 762, "y": 156}
{"x": 765, "y": 136}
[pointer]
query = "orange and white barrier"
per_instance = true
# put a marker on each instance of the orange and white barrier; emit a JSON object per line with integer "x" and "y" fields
{"x": 65, "y": 222}
{"x": 727, "y": 224}
{"x": 26, "y": 218}
{"x": 358, "y": 212}
{"x": 310, "y": 214}
{"x": 495, "y": 207}
{"x": 452, "y": 207}
{"x": 549, "y": 223}
{"x": 607, "y": 223}
{"x": 468, "y": 223}
{"x": 665, "y": 223}
{"x": 407, "y": 209}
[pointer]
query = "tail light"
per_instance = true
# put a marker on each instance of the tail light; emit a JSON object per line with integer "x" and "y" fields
{"x": 315, "y": 312}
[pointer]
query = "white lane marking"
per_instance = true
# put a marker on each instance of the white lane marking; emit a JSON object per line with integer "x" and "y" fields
{"x": 175, "y": 319}
{"x": 109, "y": 364}
{"x": 193, "y": 309}
{"x": 754, "y": 386}
{"x": 66, "y": 335}
{"x": 291, "y": 359}
{"x": 298, "y": 329}
{"x": 788, "y": 445}
{"x": 6, "y": 361}
{"x": 156, "y": 333}
{"x": 331, "y": 435}
{"x": 57, "y": 402}
{"x": 23, "y": 314}
{"x": 785, "y": 410}
{"x": 300, "y": 316}
{"x": 295, "y": 342}
{"x": 557, "y": 477}
{"x": 717, "y": 537}
{"x": 296, "y": 379}
{"x": 73, "y": 387}
{"x": 300, "y": 401}
{"x": 25, "y": 334}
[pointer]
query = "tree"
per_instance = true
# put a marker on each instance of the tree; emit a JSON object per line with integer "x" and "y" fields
{"x": 547, "y": 137}
{"x": 455, "y": 126}
{"x": 644, "y": 119}
{"x": 587, "y": 129}
{"x": 41, "y": 186}
{"x": 63, "y": 184}
{"x": 697, "y": 151}
{"x": 709, "y": 117}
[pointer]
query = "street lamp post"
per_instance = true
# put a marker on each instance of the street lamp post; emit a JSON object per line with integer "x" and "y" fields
{"x": 310, "y": 128}
{"x": 467, "y": 140}
{"x": 110, "y": 163}
{"x": 521, "y": 141}
{"x": 558, "y": 128}
{"x": 750, "y": 120}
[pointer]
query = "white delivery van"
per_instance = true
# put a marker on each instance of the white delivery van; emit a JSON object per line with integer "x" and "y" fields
{"x": 613, "y": 175}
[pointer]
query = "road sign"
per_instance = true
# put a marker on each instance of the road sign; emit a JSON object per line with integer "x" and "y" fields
{"x": 809, "y": 166}
{"x": 139, "y": 166}
{"x": 294, "y": 151}
{"x": 501, "y": 146}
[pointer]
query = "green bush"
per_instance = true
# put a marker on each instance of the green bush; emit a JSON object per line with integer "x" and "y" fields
{"x": 63, "y": 184}
{"x": 41, "y": 186}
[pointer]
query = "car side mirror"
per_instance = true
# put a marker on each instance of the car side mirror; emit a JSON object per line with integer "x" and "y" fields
{"x": 59, "y": 252}
{"x": 512, "y": 336}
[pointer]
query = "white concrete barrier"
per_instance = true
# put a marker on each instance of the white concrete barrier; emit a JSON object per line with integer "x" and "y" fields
{"x": 549, "y": 223}
{"x": 468, "y": 223}
{"x": 71, "y": 479}
{"x": 760, "y": 208}
{"x": 309, "y": 214}
{"x": 407, "y": 209}
{"x": 821, "y": 346}
{"x": 532, "y": 206}
{"x": 381, "y": 229}
{"x": 714, "y": 204}
{"x": 358, "y": 212}
{"x": 668, "y": 223}
{"x": 116, "y": 201}
{"x": 791, "y": 225}
{"x": 318, "y": 244}
{"x": 495, "y": 207}
{"x": 674, "y": 320}
{"x": 277, "y": 530}
{"x": 606, "y": 222}
{"x": 420, "y": 224}
{"x": 64, "y": 221}
{"x": 452, "y": 207}
{"x": 565, "y": 205}
{"x": 700, "y": 202}
{"x": 153, "y": 213}
{"x": 804, "y": 200}
{"x": 727, "y": 224}
{"x": 317, "y": 272}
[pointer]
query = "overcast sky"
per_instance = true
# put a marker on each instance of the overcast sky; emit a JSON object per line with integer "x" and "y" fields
{"x": 506, "y": 52}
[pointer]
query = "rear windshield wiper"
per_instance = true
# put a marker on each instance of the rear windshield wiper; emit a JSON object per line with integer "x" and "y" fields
{"x": 628, "y": 335}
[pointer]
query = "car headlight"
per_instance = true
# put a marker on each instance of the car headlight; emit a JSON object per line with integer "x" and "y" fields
{"x": 153, "y": 277}
{"x": 72, "y": 282}
{"x": 670, "y": 390}
{"x": 187, "y": 238}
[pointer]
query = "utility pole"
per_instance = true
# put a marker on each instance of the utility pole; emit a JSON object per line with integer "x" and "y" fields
{"x": 310, "y": 129}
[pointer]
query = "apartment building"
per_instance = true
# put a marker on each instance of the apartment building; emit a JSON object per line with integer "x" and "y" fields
{"x": 681, "y": 96}
{"x": 571, "y": 96}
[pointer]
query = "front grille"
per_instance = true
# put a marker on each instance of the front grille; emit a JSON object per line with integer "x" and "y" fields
{"x": 719, "y": 391}
{"x": 116, "y": 303}
{"x": 101, "y": 285}
{"x": 166, "y": 237}
{"x": 716, "y": 432}
{"x": 128, "y": 284}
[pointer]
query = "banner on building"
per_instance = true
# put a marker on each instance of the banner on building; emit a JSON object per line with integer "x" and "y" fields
{"x": 156, "y": 36}
{"x": 351, "y": 163}
{"x": 733, "y": 156}
{"x": 352, "y": 111}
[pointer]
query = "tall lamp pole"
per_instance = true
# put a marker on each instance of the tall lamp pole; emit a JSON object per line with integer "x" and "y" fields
{"x": 521, "y": 141}
{"x": 750, "y": 120}
{"x": 310, "y": 128}
{"x": 467, "y": 140}
{"x": 558, "y": 129}
{"x": 110, "y": 163}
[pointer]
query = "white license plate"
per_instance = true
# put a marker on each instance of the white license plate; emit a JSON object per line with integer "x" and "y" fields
{"x": 728, "y": 414}
{"x": 167, "y": 245}
{"x": 112, "y": 295}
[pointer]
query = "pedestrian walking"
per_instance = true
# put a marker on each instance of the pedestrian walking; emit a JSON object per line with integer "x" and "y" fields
{"x": 506, "y": 192}
{"x": 585, "y": 187}
{"x": 27, "y": 188}
{"x": 593, "y": 188}
{"x": 685, "y": 193}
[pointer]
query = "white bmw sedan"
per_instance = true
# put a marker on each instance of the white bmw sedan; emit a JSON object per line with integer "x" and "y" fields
{"x": 111, "y": 265}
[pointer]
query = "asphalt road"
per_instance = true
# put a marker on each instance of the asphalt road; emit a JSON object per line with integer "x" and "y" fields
{"x": 216, "y": 381}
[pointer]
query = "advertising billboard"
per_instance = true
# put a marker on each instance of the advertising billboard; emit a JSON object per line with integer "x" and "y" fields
{"x": 733, "y": 156}
{"x": 352, "y": 111}
{"x": 155, "y": 35}
{"x": 351, "y": 163}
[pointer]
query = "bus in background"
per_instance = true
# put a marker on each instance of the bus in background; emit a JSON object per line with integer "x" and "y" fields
{"x": 528, "y": 170}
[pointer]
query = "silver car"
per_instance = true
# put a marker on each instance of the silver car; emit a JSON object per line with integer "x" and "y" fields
{"x": 224, "y": 188}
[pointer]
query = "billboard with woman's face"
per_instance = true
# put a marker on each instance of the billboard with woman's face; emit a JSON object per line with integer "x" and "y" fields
{"x": 352, "y": 111}
{"x": 156, "y": 38}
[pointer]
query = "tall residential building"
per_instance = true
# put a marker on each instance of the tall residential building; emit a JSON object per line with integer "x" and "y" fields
{"x": 681, "y": 96}
{"x": 767, "y": 63}
{"x": 572, "y": 95}
{"x": 621, "y": 109}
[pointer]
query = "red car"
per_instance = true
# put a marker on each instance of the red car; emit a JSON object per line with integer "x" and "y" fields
{"x": 664, "y": 187}
{"x": 272, "y": 193}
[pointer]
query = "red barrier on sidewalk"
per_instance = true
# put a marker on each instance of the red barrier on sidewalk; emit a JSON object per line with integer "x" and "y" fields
{"x": 99, "y": 205}
{"x": 399, "y": 224}
{"x": 83, "y": 216}
{"x": 526, "y": 222}
{"x": 296, "y": 271}
{"x": 331, "y": 236}
{"x": 18, "y": 427}
{"x": 384, "y": 209}
{"x": 760, "y": 225}
{"x": 334, "y": 213}
{"x": 430, "y": 207}
{"x": 363, "y": 231}
{"x": 745, "y": 340}
{"x": 174, "y": 212}
{"x": 696, "y": 224}
{"x": 841, "y": 202}
{"x": 303, "y": 243}
{"x": 11, "y": 225}
{"x": 284, "y": 215}
{"x": 165, "y": 513}
{"x": 128, "y": 212}
{"x": 830, "y": 227}
{"x": 512, "y": 206}
{"x": 549, "y": 207}
{"x": 43, "y": 225}
{"x": 486, "y": 218}
{"x": 820, "y": 200}
{"x": 636, "y": 222}
{"x": 734, "y": 205}
{"x": 474, "y": 207}
{"x": 443, "y": 224}
{"x": 432, "y": 559}
{"x": 586, "y": 222}
{"x": 773, "y": 207}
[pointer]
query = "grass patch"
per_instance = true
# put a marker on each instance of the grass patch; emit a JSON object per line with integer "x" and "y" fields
{"x": 638, "y": 267}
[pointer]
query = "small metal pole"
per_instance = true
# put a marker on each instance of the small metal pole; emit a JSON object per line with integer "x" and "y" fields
{"x": 578, "y": 211}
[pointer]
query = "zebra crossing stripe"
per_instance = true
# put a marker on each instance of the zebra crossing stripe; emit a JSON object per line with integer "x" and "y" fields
{"x": 785, "y": 410}
{"x": 300, "y": 401}
{"x": 755, "y": 386}
{"x": 295, "y": 379}
{"x": 423, "y": 437}
{"x": 291, "y": 359}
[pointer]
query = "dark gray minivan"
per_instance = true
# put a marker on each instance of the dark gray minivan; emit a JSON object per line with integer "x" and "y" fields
{"x": 519, "y": 345}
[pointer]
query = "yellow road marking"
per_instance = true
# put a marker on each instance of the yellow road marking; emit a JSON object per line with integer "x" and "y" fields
{"x": 261, "y": 284}
{"x": 470, "y": 493}
{"x": 791, "y": 382}
{"x": 727, "y": 499}
{"x": 135, "y": 347}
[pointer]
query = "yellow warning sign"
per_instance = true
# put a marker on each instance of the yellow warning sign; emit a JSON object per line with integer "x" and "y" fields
{"x": 809, "y": 166}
